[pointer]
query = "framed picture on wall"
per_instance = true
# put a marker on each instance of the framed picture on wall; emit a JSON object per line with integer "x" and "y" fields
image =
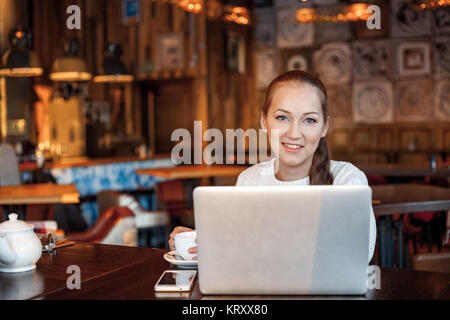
{"x": 413, "y": 58}
{"x": 131, "y": 12}
{"x": 170, "y": 52}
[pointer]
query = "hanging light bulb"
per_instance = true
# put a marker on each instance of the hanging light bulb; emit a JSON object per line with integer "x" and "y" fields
{"x": 19, "y": 61}
{"x": 239, "y": 15}
{"x": 70, "y": 67}
{"x": 114, "y": 71}
{"x": 194, "y": 6}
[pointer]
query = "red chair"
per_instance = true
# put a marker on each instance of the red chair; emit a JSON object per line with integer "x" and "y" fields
{"x": 104, "y": 225}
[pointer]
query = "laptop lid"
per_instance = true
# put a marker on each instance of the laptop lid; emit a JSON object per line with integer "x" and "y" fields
{"x": 283, "y": 240}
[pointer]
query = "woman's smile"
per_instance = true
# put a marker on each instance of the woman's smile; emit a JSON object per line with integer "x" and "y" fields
{"x": 292, "y": 147}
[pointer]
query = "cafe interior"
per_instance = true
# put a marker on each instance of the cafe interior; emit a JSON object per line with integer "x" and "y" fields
{"x": 91, "y": 93}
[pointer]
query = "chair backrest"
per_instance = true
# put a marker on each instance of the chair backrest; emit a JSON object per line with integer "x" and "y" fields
{"x": 106, "y": 200}
{"x": 174, "y": 197}
{"x": 437, "y": 262}
{"x": 103, "y": 226}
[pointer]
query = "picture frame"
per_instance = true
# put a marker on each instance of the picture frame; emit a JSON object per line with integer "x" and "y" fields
{"x": 131, "y": 12}
{"x": 412, "y": 59}
{"x": 170, "y": 52}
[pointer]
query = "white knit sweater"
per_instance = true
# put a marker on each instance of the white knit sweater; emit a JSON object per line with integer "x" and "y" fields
{"x": 344, "y": 173}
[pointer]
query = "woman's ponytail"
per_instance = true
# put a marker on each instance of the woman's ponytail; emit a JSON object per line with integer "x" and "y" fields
{"x": 319, "y": 173}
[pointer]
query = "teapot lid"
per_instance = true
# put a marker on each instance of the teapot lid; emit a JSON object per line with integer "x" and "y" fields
{"x": 14, "y": 225}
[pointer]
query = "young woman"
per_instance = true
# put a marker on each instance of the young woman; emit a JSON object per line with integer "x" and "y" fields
{"x": 296, "y": 106}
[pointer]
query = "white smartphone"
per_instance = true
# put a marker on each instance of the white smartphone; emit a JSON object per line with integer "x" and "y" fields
{"x": 176, "y": 280}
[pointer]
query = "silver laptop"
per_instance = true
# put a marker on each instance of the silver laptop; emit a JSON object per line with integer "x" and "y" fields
{"x": 304, "y": 240}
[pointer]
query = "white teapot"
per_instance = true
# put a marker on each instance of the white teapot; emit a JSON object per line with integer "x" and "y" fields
{"x": 20, "y": 248}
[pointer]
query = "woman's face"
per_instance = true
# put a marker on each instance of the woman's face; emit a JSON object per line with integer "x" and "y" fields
{"x": 296, "y": 112}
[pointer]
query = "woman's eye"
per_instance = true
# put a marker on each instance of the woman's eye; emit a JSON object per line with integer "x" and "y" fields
{"x": 282, "y": 118}
{"x": 310, "y": 120}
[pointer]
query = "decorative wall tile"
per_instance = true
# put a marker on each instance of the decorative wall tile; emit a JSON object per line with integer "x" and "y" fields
{"x": 372, "y": 102}
{"x": 414, "y": 100}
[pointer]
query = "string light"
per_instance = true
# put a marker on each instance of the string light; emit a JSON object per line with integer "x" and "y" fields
{"x": 354, "y": 12}
{"x": 424, "y": 5}
{"x": 214, "y": 10}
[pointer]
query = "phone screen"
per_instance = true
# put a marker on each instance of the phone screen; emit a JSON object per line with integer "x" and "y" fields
{"x": 177, "y": 278}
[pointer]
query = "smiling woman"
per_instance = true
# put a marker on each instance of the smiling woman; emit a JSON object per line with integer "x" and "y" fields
{"x": 296, "y": 108}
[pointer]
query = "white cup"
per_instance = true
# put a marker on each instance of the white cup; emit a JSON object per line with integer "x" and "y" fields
{"x": 184, "y": 241}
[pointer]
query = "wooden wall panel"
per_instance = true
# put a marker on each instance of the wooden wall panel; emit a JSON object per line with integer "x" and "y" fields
{"x": 362, "y": 138}
{"x": 341, "y": 138}
{"x": 173, "y": 110}
{"x": 446, "y": 139}
{"x": 415, "y": 139}
{"x": 386, "y": 140}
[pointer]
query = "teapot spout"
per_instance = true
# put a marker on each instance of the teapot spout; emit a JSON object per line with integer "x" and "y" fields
{"x": 7, "y": 253}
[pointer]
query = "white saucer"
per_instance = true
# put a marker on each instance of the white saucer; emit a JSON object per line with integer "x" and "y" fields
{"x": 178, "y": 261}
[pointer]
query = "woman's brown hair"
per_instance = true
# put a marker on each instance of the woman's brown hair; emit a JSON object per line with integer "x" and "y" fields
{"x": 319, "y": 173}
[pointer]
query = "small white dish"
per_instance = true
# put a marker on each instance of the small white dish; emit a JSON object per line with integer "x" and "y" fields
{"x": 173, "y": 258}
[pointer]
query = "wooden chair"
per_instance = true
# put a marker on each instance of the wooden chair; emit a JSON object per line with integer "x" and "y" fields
{"x": 176, "y": 197}
{"x": 151, "y": 225}
{"x": 103, "y": 227}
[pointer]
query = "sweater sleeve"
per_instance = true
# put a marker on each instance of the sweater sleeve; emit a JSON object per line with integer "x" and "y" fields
{"x": 351, "y": 175}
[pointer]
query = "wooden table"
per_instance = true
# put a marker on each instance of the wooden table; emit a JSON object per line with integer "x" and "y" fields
{"x": 42, "y": 193}
{"x": 119, "y": 272}
{"x": 401, "y": 170}
{"x": 194, "y": 171}
{"x": 403, "y": 199}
